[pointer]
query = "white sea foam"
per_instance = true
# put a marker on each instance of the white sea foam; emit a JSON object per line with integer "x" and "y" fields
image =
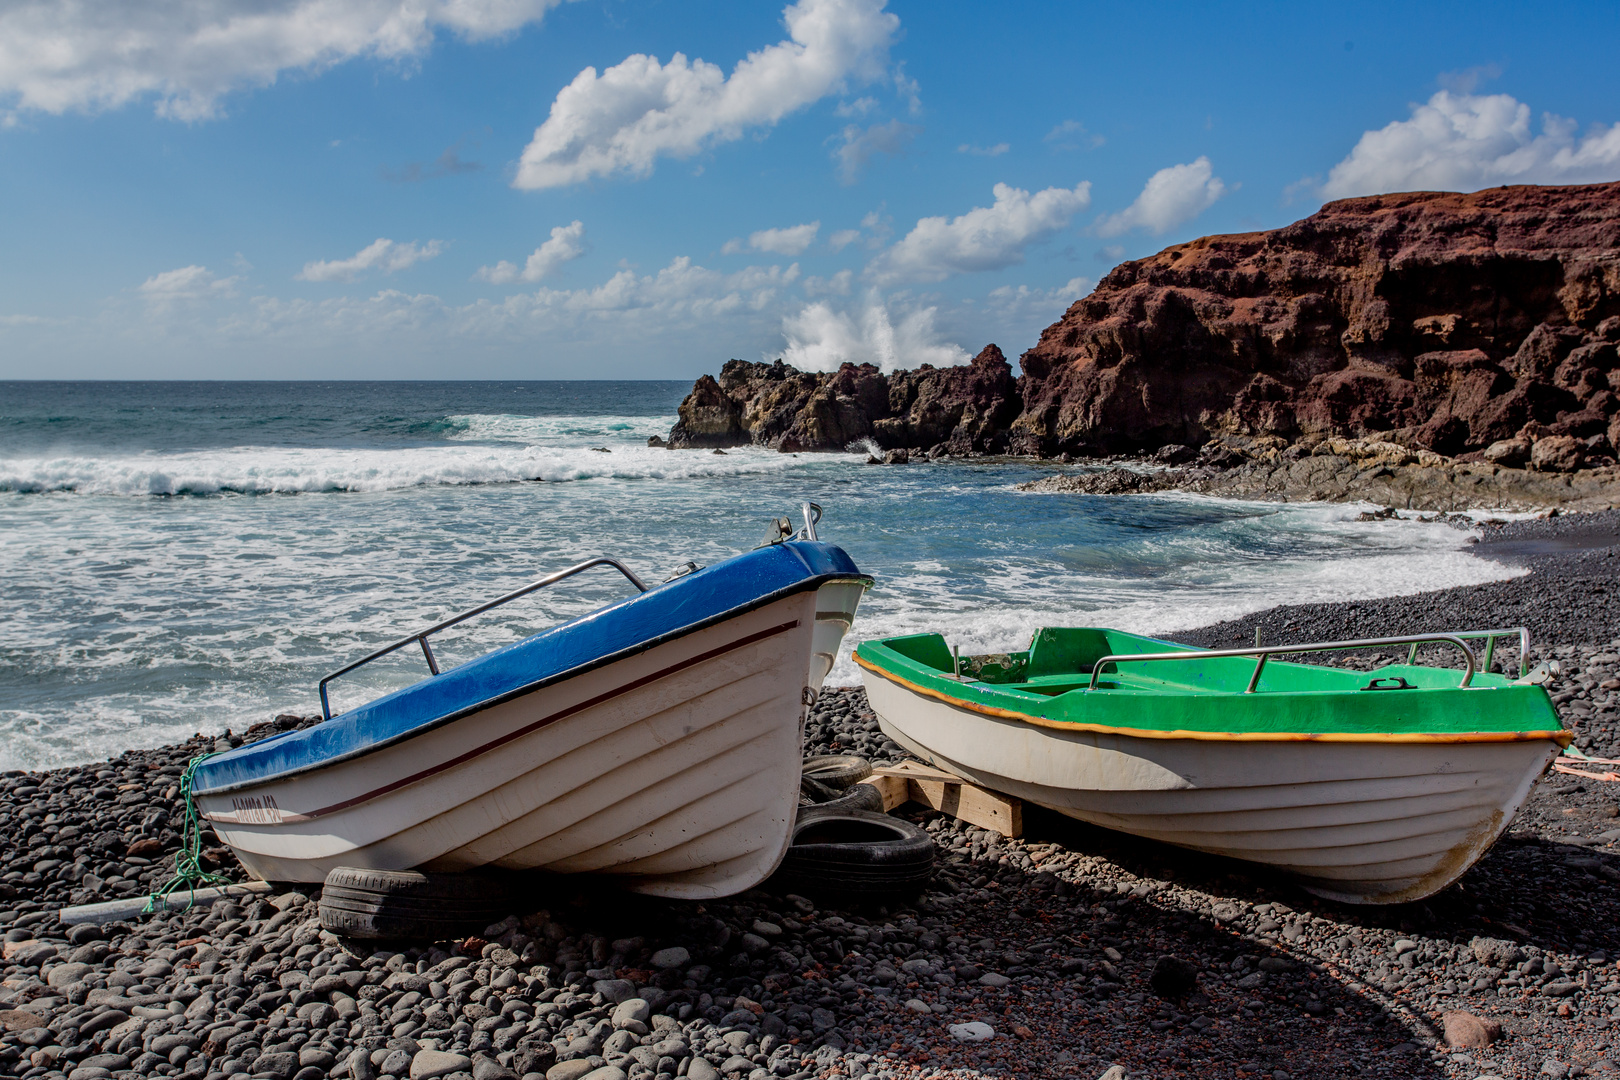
{"x": 489, "y": 427}
{"x": 265, "y": 470}
{"x": 1373, "y": 560}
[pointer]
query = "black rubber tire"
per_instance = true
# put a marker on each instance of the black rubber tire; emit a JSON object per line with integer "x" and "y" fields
{"x": 856, "y": 855}
{"x": 410, "y": 904}
{"x": 858, "y": 797}
{"x": 838, "y": 771}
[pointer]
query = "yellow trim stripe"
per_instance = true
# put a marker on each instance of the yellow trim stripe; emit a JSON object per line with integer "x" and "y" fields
{"x": 1561, "y": 737}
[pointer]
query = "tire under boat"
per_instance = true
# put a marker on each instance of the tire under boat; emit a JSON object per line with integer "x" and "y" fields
{"x": 1365, "y": 796}
{"x": 658, "y": 740}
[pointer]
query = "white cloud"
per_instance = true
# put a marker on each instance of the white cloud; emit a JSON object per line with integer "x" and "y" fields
{"x": 819, "y": 338}
{"x": 186, "y": 283}
{"x": 682, "y": 301}
{"x": 567, "y": 242}
{"x": 837, "y": 285}
{"x": 983, "y": 151}
{"x": 1170, "y": 197}
{"x": 89, "y": 55}
{"x": 862, "y": 144}
{"x": 678, "y": 289}
{"x": 792, "y": 240}
{"x": 1072, "y": 135}
{"x": 381, "y": 254}
{"x": 1010, "y": 303}
{"x": 984, "y": 238}
{"x": 858, "y": 107}
{"x": 841, "y": 239}
{"x": 908, "y": 89}
{"x": 624, "y": 119}
{"x": 1464, "y": 142}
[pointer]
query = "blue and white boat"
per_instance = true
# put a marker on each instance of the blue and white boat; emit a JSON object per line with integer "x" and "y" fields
{"x": 658, "y": 739}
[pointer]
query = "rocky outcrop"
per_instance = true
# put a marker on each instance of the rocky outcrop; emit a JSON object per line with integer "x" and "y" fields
{"x": 1444, "y": 321}
{"x": 957, "y": 410}
{"x": 1482, "y": 327}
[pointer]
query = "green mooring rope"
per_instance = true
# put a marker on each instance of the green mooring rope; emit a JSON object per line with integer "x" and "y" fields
{"x": 188, "y": 871}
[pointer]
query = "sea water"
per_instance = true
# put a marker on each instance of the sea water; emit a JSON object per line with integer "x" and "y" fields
{"x": 181, "y": 557}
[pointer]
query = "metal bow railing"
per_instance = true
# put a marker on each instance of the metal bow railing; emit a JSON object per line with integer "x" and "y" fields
{"x": 422, "y": 636}
{"x": 1262, "y": 653}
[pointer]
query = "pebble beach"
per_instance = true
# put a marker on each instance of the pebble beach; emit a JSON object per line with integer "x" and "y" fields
{"x": 1069, "y": 952}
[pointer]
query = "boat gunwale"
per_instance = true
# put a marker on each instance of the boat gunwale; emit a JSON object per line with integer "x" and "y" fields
{"x": 807, "y": 584}
{"x": 1561, "y": 736}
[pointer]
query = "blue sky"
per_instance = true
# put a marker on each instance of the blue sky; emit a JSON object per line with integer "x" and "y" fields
{"x": 376, "y": 189}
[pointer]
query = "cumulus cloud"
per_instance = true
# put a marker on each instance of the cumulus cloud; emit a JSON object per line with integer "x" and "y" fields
{"x": 186, "y": 283}
{"x": 820, "y": 337}
{"x": 624, "y": 119}
{"x": 1170, "y": 197}
{"x": 567, "y": 242}
{"x": 101, "y": 54}
{"x": 1464, "y": 142}
{"x": 984, "y": 238}
{"x": 983, "y": 151}
{"x": 383, "y": 255}
{"x": 861, "y": 145}
{"x": 792, "y": 240}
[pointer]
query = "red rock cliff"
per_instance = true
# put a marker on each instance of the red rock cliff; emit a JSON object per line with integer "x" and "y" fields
{"x": 1452, "y": 320}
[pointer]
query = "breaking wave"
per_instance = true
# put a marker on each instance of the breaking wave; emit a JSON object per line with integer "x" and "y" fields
{"x": 251, "y": 470}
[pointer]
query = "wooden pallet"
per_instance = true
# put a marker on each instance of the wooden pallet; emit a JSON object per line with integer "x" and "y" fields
{"x": 950, "y": 794}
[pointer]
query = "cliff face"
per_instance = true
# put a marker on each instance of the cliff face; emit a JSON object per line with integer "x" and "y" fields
{"x": 1451, "y": 320}
{"x": 1438, "y": 321}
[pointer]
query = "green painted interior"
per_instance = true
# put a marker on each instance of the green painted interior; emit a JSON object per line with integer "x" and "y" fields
{"x": 1050, "y": 681}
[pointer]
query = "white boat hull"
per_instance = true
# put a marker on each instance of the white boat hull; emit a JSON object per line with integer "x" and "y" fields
{"x": 1359, "y": 822}
{"x": 675, "y": 770}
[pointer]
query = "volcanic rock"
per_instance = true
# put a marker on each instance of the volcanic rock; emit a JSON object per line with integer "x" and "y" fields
{"x": 960, "y": 409}
{"x": 1454, "y": 320}
{"x": 1465, "y": 1031}
{"x": 1483, "y": 326}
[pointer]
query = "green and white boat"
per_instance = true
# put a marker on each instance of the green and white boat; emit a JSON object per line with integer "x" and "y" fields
{"x": 1370, "y": 787}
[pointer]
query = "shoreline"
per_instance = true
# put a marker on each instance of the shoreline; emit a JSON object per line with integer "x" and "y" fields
{"x": 1341, "y": 470}
{"x": 1052, "y": 939}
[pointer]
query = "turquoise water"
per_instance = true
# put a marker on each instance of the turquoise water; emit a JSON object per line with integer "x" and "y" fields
{"x": 183, "y": 557}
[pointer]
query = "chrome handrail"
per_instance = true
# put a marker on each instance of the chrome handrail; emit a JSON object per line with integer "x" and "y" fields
{"x": 421, "y": 637}
{"x": 1264, "y": 652}
{"x": 1490, "y": 637}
